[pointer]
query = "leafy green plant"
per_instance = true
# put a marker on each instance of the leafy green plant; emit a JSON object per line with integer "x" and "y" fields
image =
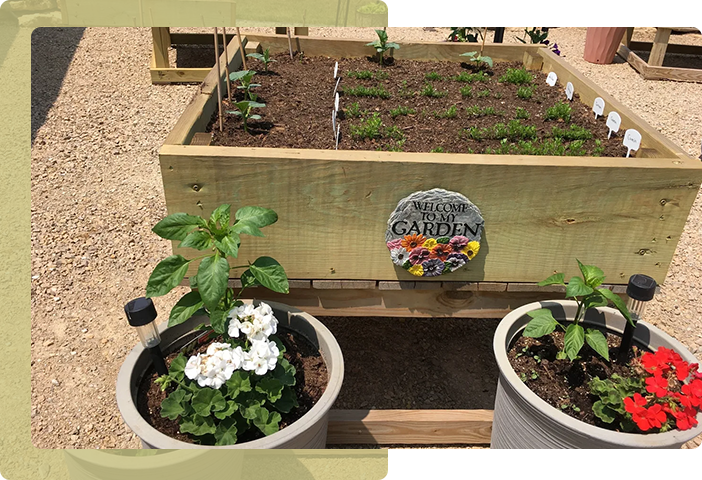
{"x": 368, "y": 128}
{"x": 245, "y": 78}
{"x": 450, "y": 112}
{"x": 498, "y": 95}
{"x": 599, "y": 149}
{"x": 360, "y": 74}
{"x": 478, "y": 60}
{"x": 382, "y": 45}
{"x": 475, "y": 133}
{"x": 525, "y": 92}
{"x": 433, "y": 76}
{"x": 362, "y": 91}
{"x": 354, "y": 110}
{"x": 467, "y": 91}
{"x": 466, "y": 77}
{"x": 517, "y": 76}
{"x": 576, "y": 148}
{"x": 265, "y": 58}
{"x": 586, "y": 291}
{"x": 395, "y": 133}
{"x": 575, "y": 132}
{"x": 477, "y": 111}
{"x": 560, "y": 111}
{"x": 483, "y": 93}
{"x": 402, "y": 111}
{"x": 438, "y": 150}
{"x": 535, "y": 35}
{"x": 405, "y": 91}
{"x": 430, "y": 91}
{"x": 521, "y": 113}
{"x": 244, "y": 110}
{"x": 465, "y": 34}
{"x": 611, "y": 393}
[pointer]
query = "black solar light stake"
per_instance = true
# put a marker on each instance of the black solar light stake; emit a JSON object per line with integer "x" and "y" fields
{"x": 141, "y": 314}
{"x": 640, "y": 290}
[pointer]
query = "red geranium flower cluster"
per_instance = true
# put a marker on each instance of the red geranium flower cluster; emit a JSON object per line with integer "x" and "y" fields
{"x": 670, "y": 395}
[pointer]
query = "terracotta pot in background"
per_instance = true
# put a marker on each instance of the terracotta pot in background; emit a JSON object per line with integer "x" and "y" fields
{"x": 602, "y": 43}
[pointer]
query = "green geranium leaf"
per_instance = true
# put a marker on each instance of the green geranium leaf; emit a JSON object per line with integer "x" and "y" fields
{"x": 237, "y": 383}
{"x": 172, "y": 405}
{"x": 167, "y": 275}
{"x": 287, "y": 401}
{"x": 212, "y": 279}
{"x": 185, "y": 308}
{"x": 198, "y": 425}
{"x": 225, "y": 434}
{"x": 244, "y": 226}
{"x": 555, "y": 279}
{"x": 618, "y": 303}
{"x": 177, "y": 367}
{"x": 603, "y": 412}
{"x": 198, "y": 239}
{"x": 573, "y": 341}
{"x": 271, "y": 387}
{"x": 249, "y": 408}
{"x": 266, "y": 421}
{"x": 207, "y": 400}
{"x": 227, "y": 412}
{"x": 542, "y": 323}
{"x": 284, "y": 372}
{"x": 593, "y": 275}
{"x": 221, "y": 216}
{"x": 270, "y": 274}
{"x": 257, "y": 216}
{"x": 597, "y": 342}
{"x": 178, "y": 226}
{"x": 229, "y": 243}
{"x": 218, "y": 320}
{"x": 577, "y": 288}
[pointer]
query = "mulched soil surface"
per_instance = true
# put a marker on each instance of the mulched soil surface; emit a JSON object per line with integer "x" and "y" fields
{"x": 312, "y": 378}
{"x": 299, "y": 101}
{"x": 561, "y": 383}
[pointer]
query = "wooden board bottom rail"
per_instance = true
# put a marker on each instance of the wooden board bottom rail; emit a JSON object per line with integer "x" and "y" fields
{"x": 409, "y": 427}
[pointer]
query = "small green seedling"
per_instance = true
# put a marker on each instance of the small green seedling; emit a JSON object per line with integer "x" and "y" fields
{"x": 361, "y": 74}
{"x": 265, "y": 58}
{"x": 525, "y": 92}
{"x": 521, "y": 114}
{"x": 517, "y": 76}
{"x": 430, "y": 91}
{"x": 245, "y": 78}
{"x": 382, "y": 45}
{"x": 483, "y": 93}
{"x": 433, "y": 76}
{"x": 451, "y": 112}
{"x": 369, "y": 128}
{"x": 244, "y": 111}
{"x": 402, "y": 111}
{"x": 467, "y": 91}
{"x": 478, "y": 59}
{"x": 560, "y": 111}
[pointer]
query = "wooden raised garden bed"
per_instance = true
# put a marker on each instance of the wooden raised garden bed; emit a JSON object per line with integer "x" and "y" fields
{"x": 540, "y": 212}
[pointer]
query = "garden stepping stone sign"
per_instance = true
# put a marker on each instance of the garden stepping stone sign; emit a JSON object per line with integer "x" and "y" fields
{"x": 434, "y": 232}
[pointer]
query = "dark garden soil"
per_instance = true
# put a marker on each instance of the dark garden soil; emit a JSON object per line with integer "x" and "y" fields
{"x": 311, "y": 381}
{"x": 299, "y": 101}
{"x": 561, "y": 383}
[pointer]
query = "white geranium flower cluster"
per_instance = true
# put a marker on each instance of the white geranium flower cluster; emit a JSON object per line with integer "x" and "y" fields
{"x": 217, "y": 365}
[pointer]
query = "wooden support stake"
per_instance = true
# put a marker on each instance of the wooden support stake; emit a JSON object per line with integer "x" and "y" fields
{"x": 482, "y": 47}
{"x": 226, "y": 64}
{"x": 219, "y": 79}
{"x": 660, "y": 44}
{"x": 241, "y": 48}
{"x": 289, "y": 42}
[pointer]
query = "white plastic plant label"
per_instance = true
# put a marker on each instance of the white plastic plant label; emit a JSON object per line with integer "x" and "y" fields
{"x": 333, "y": 122}
{"x": 598, "y": 107}
{"x": 338, "y": 136}
{"x": 336, "y": 69}
{"x": 336, "y": 102}
{"x": 336, "y": 87}
{"x": 632, "y": 140}
{"x": 552, "y": 79}
{"x": 569, "y": 91}
{"x": 613, "y": 123}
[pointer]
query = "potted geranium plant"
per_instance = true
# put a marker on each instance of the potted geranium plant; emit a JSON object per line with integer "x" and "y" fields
{"x": 572, "y": 377}
{"x": 228, "y": 382}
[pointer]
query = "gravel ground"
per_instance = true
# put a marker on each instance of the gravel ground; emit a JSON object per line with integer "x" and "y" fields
{"x": 97, "y": 191}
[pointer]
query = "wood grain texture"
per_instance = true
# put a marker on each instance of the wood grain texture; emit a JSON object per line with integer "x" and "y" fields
{"x": 345, "y": 198}
{"x": 409, "y": 427}
{"x": 161, "y": 42}
{"x": 672, "y": 48}
{"x": 649, "y": 72}
{"x": 178, "y": 75}
{"x": 403, "y": 303}
{"x": 660, "y": 45}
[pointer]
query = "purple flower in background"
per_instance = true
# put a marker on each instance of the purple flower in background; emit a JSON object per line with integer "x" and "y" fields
{"x": 456, "y": 261}
{"x": 555, "y": 49}
{"x": 433, "y": 267}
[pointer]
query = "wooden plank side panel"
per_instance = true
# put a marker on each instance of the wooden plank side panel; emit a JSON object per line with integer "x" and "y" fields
{"x": 346, "y": 48}
{"x": 563, "y": 208}
{"x": 409, "y": 427}
{"x": 179, "y": 75}
{"x": 588, "y": 91}
{"x": 673, "y": 73}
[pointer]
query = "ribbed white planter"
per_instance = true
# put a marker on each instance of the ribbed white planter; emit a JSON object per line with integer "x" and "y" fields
{"x": 523, "y": 420}
{"x": 309, "y": 431}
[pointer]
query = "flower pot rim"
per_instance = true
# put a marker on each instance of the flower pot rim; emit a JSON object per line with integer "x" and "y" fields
{"x": 624, "y": 439}
{"x": 151, "y": 435}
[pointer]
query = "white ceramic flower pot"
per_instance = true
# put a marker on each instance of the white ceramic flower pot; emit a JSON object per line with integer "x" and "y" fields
{"x": 309, "y": 431}
{"x": 523, "y": 420}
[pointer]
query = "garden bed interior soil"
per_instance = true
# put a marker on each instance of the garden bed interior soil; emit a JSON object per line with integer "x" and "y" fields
{"x": 299, "y": 101}
{"x": 311, "y": 381}
{"x": 561, "y": 383}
